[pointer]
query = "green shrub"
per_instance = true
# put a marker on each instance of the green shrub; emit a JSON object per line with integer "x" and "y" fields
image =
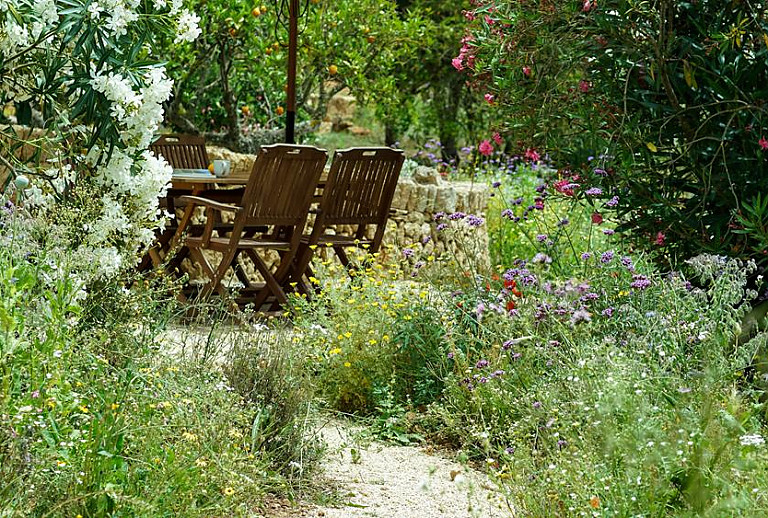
{"x": 665, "y": 96}
{"x": 372, "y": 340}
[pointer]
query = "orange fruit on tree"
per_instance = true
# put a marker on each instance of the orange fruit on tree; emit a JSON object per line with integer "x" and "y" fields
{"x": 232, "y": 32}
{"x": 263, "y": 9}
{"x": 333, "y": 69}
{"x": 256, "y": 12}
{"x": 279, "y": 110}
{"x": 268, "y": 51}
{"x": 371, "y": 39}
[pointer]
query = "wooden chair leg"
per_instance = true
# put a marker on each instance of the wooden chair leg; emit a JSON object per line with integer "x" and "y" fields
{"x": 272, "y": 286}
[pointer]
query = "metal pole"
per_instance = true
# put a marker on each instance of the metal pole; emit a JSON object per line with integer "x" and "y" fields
{"x": 293, "y": 36}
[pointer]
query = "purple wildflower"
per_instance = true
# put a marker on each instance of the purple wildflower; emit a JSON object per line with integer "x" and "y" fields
{"x": 541, "y": 238}
{"x": 439, "y": 215}
{"x": 594, "y": 191}
{"x": 585, "y": 256}
{"x": 407, "y": 253}
{"x": 496, "y": 184}
{"x": 441, "y": 227}
{"x": 507, "y": 213}
{"x": 608, "y": 231}
{"x": 537, "y": 404}
{"x": 563, "y": 222}
{"x": 457, "y": 215}
{"x": 627, "y": 262}
{"x": 541, "y": 258}
{"x": 612, "y": 202}
{"x": 581, "y": 315}
{"x": 608, "y": 312}
{"x": 600, "y": 172}
{"x": 418, "y": 264}
{"x": 481, "y": 364}
{"x": 474, "y": 221}
{"x": 607, "y": 257}
{"x": 507, "y": 345}
{"x": 640, "y": 282}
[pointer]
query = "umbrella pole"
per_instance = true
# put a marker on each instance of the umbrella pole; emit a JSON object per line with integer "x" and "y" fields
{"x": 293, "y": 36}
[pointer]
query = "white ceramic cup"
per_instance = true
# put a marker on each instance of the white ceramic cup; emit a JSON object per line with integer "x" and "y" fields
{"x": 221, "y": 168}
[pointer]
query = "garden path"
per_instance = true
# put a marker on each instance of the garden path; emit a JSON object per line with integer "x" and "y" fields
{"x": 376, "y": 480}
{"x": 368, "y": 479}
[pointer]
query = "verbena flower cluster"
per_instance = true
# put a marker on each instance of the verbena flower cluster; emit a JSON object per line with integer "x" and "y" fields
{"x": 100, "y": 97}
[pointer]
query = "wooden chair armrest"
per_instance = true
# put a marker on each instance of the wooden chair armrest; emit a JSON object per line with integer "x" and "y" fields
{"x": 211, "y": 204}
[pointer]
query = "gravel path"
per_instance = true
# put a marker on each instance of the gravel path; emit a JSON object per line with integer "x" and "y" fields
{"x": 381, "y": 481}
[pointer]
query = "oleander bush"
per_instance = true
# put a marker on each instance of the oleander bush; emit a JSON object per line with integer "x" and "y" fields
{"x": 666, "y": 94}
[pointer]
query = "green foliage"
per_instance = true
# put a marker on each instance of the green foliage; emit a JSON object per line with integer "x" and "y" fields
{"x": 368, "y": 344}
{"x": 667, "y": 94}
{"x": 232, "y": 80}
{"x": 95, "y": 422}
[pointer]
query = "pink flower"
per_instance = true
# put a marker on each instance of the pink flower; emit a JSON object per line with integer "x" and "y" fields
{"x": 488, "y": 20}
{"x": 584, "y": 86}
{"x": 565, "y": 187}
{"x": 532, "y": 155}
{"x": 458, "y": 63}
{"x": 589, "y": 5}
{"x": 489, "y": 98}
{"x": 597, "y": 218}
{"x": 527, "y": 71}
{"x": 469, "y": 15}
{"x": 485, "y": 148}
{"x": 763, "y": 143}
{"x": 660, "y": 237}
{"x": 496, "y": 138}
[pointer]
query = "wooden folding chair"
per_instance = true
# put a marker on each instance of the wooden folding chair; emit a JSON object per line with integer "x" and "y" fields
{"x": 182, "y": 151}
{"x": 278, "y": 196}
{"x": 358, "y": 193}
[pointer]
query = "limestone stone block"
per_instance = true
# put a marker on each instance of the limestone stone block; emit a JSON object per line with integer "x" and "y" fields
{"x": 426, "y": 175}
{"x": 402, "y": 194}
{"x": 445, "y": 199}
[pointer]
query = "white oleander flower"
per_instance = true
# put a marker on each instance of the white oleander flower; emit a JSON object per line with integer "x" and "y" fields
{"x": 95, "y": 10}
{"x": 46, "y": 12}
{"x": 187, "y": 28}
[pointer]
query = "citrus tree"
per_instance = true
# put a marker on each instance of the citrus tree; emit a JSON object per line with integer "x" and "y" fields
{"x": 85, "y": 75}
{"x": 231, "y": 82}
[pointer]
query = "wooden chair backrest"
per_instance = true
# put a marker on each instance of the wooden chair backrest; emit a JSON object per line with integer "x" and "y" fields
{"x": 282, "y": 183}
{"x": 360, "y": 186}
{"x": 182, "y": 151}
